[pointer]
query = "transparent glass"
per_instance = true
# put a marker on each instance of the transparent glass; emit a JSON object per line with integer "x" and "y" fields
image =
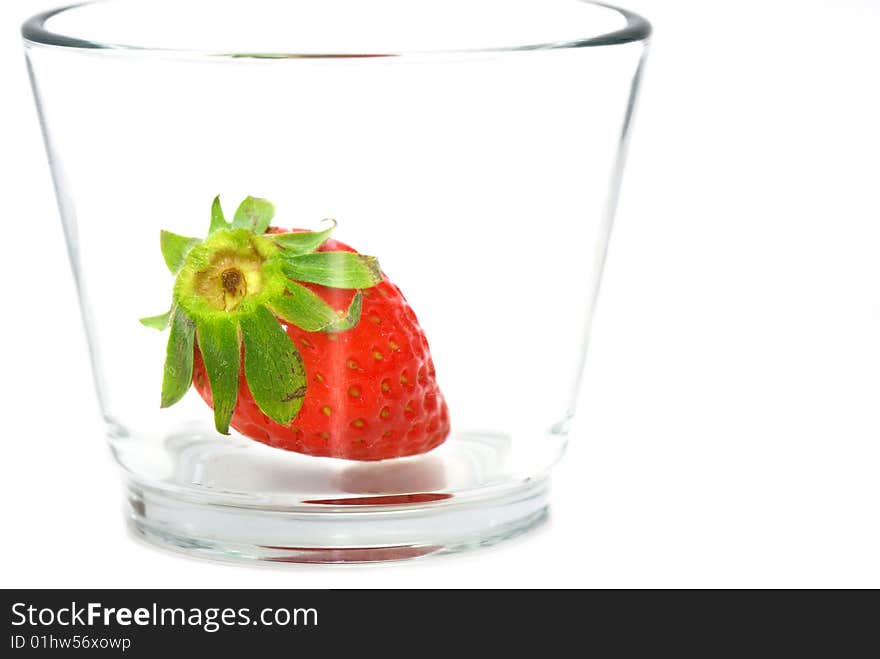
{"x": 475, "y": 148}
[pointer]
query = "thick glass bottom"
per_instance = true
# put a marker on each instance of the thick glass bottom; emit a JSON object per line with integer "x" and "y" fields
{"x": 233, "y": 498}
{"x": 381, "y": 529}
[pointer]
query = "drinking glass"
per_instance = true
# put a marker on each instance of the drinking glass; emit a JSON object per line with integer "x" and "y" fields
{"x": 474, "y": 147}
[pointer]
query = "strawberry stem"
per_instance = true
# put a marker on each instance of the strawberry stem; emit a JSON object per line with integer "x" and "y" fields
{"x": 233, "y": 290}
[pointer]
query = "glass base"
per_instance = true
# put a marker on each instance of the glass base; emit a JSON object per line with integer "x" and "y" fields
{"x": 376, "y": 529}
{"x": 234, "y": 498}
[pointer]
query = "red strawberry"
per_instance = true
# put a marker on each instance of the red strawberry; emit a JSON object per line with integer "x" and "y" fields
{"x": 372, "y": 391}
{"x": 350, "y": 376}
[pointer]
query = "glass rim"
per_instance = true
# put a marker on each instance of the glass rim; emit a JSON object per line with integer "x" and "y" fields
{"x": 34, "y": 31}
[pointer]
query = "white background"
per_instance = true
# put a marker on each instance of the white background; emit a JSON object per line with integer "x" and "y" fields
{"x": 729, "y": 435}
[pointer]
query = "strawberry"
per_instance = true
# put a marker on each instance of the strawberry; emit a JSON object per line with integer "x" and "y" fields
{"x": 297, "y": 341}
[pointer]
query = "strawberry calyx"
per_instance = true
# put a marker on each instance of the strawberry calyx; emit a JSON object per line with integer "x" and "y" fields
{"x": 232, "y": 292}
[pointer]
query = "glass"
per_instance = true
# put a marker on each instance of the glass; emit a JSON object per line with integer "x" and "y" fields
{"x": 475, "y": 148}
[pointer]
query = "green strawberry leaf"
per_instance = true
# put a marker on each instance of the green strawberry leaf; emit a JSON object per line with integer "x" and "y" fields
{"x": 219, "y": 345}
{"x": 159, "y": 322}
{"x": 303, "y": 242}
{"x": 178, "y": 359}
{"x": 218, "y": 221}
{"x": 352, "y": 316}
{"x": 307, "y": 310}
{"x": 254, "y": 214}
{"x": 273, "y": 366}
{"x": 334, "y": 269}
{"x": 175, "y": 248}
